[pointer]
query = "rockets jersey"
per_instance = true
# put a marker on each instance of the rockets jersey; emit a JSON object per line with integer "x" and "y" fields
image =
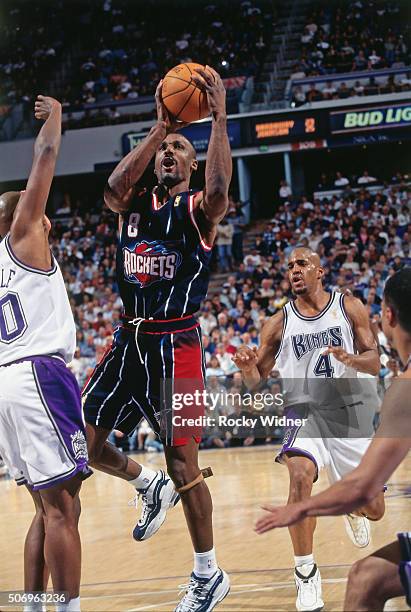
{"x": 163, "y": 264}
{"x": 300, "y": 358}
{"x": 35, "y": 313}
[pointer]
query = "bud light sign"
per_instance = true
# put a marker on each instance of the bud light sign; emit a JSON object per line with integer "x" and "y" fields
{"x": 372, "y": 118}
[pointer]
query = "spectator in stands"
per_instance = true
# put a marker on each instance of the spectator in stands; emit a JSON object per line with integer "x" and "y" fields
{"x": 313, "y": 94}
{"x": 214, "y": 368}
{"x": 329, "y": 90}
{"x": 207, "y": 320}
{"x": 371, "y": 88}
{"x": 365, "y": 178}
{"x": 340, "y": 180}
{"x": 224, "y": 242}
{"x": 237, "y": 220}
{"x": 284, "y": 192}
{"x": 299, "y": 97}
{"x": 358, "y": 88}
{"x": 360, "y": 61}
{"x": 238, "y": 435}
{"x": 344, "y": 91}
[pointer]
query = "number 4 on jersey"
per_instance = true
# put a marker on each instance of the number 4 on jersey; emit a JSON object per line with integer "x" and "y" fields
{"x": 323, "y": 367}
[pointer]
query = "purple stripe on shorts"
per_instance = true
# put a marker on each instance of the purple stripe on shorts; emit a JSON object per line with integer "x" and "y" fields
{"x": 298, "y": 451}
{"x": 60, "y": 395}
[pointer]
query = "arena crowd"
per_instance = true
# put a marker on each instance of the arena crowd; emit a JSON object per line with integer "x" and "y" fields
{"x": 361, "y": 237}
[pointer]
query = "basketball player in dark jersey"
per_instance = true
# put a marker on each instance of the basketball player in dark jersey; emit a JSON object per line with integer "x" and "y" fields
{"x": 163, "y": 264}
{"x": 386, "y": 573}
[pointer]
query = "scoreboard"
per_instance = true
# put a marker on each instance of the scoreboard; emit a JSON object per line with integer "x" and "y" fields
{"x": 287, "y": 127}
{"x": 304, "y": 129}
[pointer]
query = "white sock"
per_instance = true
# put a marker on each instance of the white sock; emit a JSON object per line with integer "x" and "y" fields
{"x": 205, "y": 564}
{"x": 72, "y": 606}
{"x": 143, "y": 479}
{"x": 304, "y": 564}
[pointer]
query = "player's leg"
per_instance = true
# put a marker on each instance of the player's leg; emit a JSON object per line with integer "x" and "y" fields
{"x": 36, "y": 572}
{"x": 375, "y": 510}
{"x": 208, "y": 583}
{"x": 182, "y": 467}
{"x": 62, "y": 546}
{"x": 106, "y": 457}
{"x": 374, "y": 580}
{"x": 109, "y": 404}
{"x": 46, "y": 446}
{"x": 155, "y": 488}
{"x": 345, "y": 456}
{"x": 177, "y": 360}
{"x": 302, "y": 472}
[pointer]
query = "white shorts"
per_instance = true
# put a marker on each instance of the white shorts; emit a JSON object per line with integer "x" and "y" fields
{"x": 337, "y": 455}
{"x": 42, "y": 435}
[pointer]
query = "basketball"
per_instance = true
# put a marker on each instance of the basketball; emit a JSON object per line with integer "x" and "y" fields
{"x": 181, "y": 95}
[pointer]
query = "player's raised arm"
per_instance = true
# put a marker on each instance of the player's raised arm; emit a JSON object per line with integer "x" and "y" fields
{"x": 119, "y": 189}
{"x": 367, "y": 359}
{"x": 386, "y": 451}
{"x": 29, "y": 214}
{"x": 219, "y": 164}
{"x": 256, "y": 365}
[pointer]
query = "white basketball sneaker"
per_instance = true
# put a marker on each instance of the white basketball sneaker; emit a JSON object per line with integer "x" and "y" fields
{"x": 358, "y": 530}
{"x": 309, "y": 592}
{"x": 203, "y": 594}
{"x": 156, "y": 499}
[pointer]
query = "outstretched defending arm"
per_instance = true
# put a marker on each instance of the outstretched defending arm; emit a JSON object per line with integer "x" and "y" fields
{"x": 119, "y": 189}
{"x": 27, "y": 236}
{"x": 212, "y": 208}
{"x": 388, "y": 448}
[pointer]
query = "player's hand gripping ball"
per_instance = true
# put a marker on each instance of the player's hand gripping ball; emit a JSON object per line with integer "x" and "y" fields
{"x": 185, "y": 98}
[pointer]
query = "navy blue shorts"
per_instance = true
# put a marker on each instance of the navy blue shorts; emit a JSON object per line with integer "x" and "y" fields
{"x": 137, "y": 379}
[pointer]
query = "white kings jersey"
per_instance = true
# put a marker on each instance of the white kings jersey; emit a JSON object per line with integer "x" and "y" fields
{"x": 301, "y": 358}
{"x": 35, "y": 314}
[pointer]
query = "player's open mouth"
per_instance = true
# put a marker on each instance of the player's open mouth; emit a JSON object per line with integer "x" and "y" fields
{"x": 168, "y": 162}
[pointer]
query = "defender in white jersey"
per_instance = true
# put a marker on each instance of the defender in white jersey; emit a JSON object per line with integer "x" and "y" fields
{"x": 42, "y": 434}
{"x": 386, "y": 573}
{"x": 317, "y": 338}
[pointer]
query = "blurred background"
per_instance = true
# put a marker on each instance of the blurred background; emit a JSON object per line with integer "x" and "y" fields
{"x": 318, "y": 96}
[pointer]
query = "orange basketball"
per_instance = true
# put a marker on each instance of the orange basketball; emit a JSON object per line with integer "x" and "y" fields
{"x": 181, "y": 95}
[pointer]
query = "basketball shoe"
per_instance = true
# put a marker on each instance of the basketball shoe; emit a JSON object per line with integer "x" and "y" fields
{"x": 309, "y": 591}
{"x": 158, "y": 497}
{"x": 203, "y": 594}
{"x": 358, "y": 530}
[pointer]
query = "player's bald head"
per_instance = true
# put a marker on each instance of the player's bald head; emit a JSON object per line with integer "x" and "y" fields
{"x": 175, "y": 161}
{"x": 304, "y": 271}
{"x": 8, "y": 203}
{"x": 305, "y": 253}
{"x": 177, "y": 136}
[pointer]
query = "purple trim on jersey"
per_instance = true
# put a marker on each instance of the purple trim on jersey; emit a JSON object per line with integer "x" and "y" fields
{"x": 60, "y": 396}
{"x": 317, "y": 316}
{"x": 345, "y": 315}
{"x": 21, "y": 264}
{"x": 285, "y": 319}
{"x": 32, "y": 358}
